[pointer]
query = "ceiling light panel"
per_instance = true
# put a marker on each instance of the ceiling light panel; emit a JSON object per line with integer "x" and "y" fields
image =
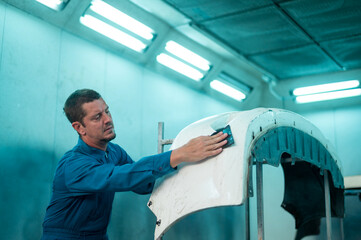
{"x": 113, "y": 33}
{"x": 187, "y": 55}
{"x": 122, "y": 19}
{"x": 227, "y": 90}
{"x": 184, "y": 61}
{"x": 327, "y": 91}
{"x": 56, "y": 5}
{"x": 326, "y": 87}
{"x": 179, "y": 66}
{"x": 329, "y": 95}
{"x": 118, "y": 26}
{"x": 230, "y": 86}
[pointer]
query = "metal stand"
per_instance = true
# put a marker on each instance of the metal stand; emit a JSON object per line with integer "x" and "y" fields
{"x": 260, "y": 217}
{"x": 260, "y": 209}
{"x": 342, "y": 231}
{"x": 327, "y": 204}
{"x": 247, "y": 230}
{"x": 161, "y": 141}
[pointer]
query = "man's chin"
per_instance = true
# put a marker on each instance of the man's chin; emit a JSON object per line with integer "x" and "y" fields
{"x": 108, "y": 139}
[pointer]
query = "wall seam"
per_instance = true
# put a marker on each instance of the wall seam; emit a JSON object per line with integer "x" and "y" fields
{"x": 56, "y": 103}
{"x": 105, "y": 80}
{"x": 3, "y": 34}
{"x": 142, "y": 112}
{"x": 334, "y": 128}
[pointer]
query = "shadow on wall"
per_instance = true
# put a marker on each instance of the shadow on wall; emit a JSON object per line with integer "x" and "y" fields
{"x": 25, "y": 185}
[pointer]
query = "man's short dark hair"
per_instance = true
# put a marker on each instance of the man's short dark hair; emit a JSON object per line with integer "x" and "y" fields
{"x": 73, "y": 106}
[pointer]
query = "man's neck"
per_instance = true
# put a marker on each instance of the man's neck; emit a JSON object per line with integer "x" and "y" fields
{"x": 99, "y": 145}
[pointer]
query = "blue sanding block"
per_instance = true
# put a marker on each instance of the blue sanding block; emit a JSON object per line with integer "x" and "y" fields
{"x": 227, "y": 129}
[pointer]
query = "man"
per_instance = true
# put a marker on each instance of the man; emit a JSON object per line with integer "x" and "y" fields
{"x": 87, "y": 176}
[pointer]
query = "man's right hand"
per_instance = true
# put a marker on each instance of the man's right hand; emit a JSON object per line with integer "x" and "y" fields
{"x": 198, "y": 149}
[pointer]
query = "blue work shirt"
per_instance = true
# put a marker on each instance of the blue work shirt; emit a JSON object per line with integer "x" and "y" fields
{"x": 84, "y": 184}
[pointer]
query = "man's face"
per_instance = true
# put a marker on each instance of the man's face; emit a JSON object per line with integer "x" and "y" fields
{"x": 97, "y": 127}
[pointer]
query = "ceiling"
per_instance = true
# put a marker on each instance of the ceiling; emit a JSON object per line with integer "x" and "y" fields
{"x": 281, "y": 39}
{"x": 289, "y": 39}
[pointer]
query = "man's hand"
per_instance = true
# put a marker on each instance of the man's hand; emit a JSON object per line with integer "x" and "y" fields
{"x": 198, "y": 149}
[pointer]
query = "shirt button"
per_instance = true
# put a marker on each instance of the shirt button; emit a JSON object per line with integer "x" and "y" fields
{"x": 160, "y": 168}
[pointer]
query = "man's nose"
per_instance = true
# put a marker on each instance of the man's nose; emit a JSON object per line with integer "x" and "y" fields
{"x": 107, "y": 118}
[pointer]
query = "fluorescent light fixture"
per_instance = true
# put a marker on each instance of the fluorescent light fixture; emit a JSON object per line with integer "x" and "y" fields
{"x": 326, "y": 87}
{"x": 57, "y": 5}
{"x": 116, "y": 25}
{"x": 227, "y": 90}
{"x": 187, "y": 55}
{"x": 179, "y": 66}
{"x": 120, "y": 18}
{"x": 113, "y": 33}
{"x": 329, "y": 95}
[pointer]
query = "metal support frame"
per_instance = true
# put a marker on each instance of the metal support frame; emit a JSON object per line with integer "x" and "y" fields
{"x": 342, "y": 230}
{"x": 260, "y": 208}
{"x": 161, "y": 140}
{"x": 327, "y": 204}
{"x": 260, "y": 217}
{"x": 247, "y": 230}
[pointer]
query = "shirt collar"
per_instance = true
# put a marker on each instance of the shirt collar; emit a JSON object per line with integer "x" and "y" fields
{"x": 91, "y": 150}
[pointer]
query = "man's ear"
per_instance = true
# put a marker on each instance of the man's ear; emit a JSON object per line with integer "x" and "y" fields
{"x": 79, "y": 128}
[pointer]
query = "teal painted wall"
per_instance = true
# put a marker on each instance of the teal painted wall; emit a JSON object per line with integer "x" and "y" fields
{"x": 342, "y": 127}
{"x": 41, "y": 66}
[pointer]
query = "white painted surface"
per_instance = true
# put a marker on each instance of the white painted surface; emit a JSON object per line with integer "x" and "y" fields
{"x": 221, "y": 180}
{"x": 353, "y": 182}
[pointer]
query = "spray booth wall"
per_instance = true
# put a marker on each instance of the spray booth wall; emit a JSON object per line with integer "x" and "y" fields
{"x": 40, "y": 65}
